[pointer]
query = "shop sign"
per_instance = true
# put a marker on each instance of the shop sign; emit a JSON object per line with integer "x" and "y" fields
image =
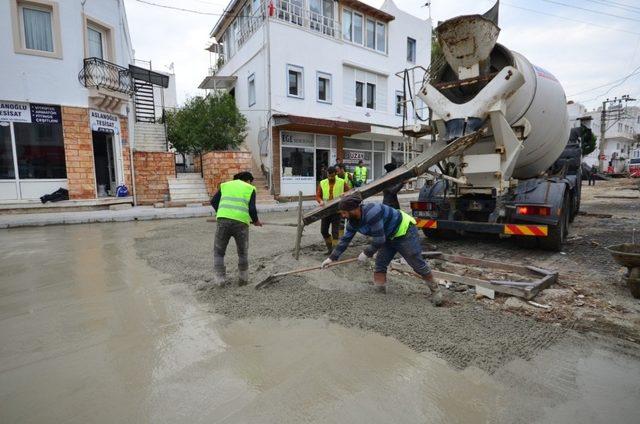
{"x": 104, "y": 122}
{"x": 298, "y": 178}
{"x": 353, "y": 156}
{"x": 15, "y": 112}
{"x": 45, "y": 114}
{"x": 301, "y": 139}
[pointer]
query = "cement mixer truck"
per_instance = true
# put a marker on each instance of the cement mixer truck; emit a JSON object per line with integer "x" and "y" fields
{"x": 521, "y": 178}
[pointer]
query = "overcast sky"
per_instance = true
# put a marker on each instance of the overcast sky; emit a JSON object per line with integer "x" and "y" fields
{"x": 583, "y": 49}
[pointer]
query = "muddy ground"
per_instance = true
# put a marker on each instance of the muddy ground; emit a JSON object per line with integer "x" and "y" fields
{"x": 588, "y": 297}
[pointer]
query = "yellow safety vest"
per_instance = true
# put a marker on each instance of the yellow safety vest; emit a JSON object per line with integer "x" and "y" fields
{"x": 407, "y": 220}
{"x": 360, "y": 174}
{"x": 347, "y": 181}
{"x": 234, "y": 201}
{"x": 338, "y": 188}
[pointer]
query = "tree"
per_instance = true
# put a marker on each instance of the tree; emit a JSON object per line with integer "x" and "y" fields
{"x": 205, "y": 124}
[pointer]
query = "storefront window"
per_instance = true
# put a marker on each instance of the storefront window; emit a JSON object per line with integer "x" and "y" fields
{"x": 297, "y": 162}
{"x": 6, "y": 153}
{"x": 40, "y": 151}
{"x": 371, "y": 153}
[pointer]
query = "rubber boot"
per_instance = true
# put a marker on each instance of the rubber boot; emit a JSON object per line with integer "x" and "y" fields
{"x": 219, "y": 278}
{"x": 328, "y": 241}
{"x": 437, "y": 298}
{"x": 380, "y": 282}
{"x": 243, "y": 277}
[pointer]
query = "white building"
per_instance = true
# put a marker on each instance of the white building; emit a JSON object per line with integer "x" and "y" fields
{"x": 66, "y": 98}
{"x": 621, "y": 135}
{"x": 316, "y": 81}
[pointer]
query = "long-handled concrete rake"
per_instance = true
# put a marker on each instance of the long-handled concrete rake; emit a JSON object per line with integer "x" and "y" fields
{"x": 273, "y": 277}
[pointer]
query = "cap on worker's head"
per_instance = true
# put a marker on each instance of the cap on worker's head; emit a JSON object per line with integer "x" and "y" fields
{"x": 244, "y": 176}
{"x": 390, "y": 166}
{"x": 350, "y": 202}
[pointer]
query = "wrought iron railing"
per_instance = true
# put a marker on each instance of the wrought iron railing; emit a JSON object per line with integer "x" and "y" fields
{"x": 98, "y": 73}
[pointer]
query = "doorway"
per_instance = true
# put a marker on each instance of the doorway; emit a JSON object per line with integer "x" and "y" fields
{"x": 322, "y": 163}
{"x": 104, "y": 163}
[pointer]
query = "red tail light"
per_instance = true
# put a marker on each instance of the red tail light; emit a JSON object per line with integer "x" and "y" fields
{"x": 423, "y": 206}
{"x": 533, "y": 210}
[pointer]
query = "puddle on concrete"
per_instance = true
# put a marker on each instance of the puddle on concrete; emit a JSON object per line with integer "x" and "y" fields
{"x": 90, "y": 333}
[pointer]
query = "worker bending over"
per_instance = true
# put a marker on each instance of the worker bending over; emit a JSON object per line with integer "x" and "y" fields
{"x": 235, "y": 205}
{"x": 329, "y": 189}
{"x": 392, "y": 231}
{"x": 360, "y": 174}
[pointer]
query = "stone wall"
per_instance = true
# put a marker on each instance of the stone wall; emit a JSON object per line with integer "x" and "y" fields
{"x": 78, "y": 151}
{"x": 221, "y": 166}
{"x": 151, "y": 171}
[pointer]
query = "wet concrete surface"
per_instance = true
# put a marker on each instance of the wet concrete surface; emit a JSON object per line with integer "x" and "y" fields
{"x": 89, "y": 332}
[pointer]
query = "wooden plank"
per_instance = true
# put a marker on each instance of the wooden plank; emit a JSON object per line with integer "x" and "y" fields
{"x": 466, "y": 260}
{"x": 543, "y": 284}
{"x": 296, "y": 252}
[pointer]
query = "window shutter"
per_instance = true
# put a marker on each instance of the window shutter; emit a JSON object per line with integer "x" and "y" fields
{"x": 381, "y": 93}
{"x": 349, "y": 83}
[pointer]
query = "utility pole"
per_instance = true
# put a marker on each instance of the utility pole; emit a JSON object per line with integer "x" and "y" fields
{"x": 615, "y": 113}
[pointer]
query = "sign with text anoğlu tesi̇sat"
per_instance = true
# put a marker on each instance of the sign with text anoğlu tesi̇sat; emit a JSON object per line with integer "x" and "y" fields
{"x": 15, "y": 112}
{"x": 104, "y": 122}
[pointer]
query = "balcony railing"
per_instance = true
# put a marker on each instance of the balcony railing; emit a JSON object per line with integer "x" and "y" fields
{"x": 298, "y": 14}
{"x": 98, "y": 73}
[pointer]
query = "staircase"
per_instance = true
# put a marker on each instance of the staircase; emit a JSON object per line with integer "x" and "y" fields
{"x": 263, "y": 196}
{"x": 188, "y": 188}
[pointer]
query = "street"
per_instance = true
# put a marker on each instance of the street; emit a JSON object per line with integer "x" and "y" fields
{"x": 103, "y": 323}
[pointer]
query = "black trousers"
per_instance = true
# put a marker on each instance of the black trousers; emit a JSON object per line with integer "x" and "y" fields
{"x": 334, "y": 222}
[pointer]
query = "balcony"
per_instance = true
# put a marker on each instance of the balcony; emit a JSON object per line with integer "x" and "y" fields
{"x": 300, "y": 15}
{"x": 109, "y": 85}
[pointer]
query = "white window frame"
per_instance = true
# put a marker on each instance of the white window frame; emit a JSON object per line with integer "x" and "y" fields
{"x": 327, "y": 76}
{"x": 299, "y": 69}
{"x": 366, "y": 34}
{"x": 375, "y": 88}
{"x": 364, "y": 93}
{"x": 349, "y": 11}
{"x": 413, "y": 57}
{"x": 251, "y": 79}
{"x": 107, "y": 31}
{"x": 17, "y": 19}
{"x": 365, "y": 18}
{"x": 353, "y": 28}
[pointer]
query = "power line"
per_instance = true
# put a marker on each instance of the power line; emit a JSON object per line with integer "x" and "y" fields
{"x": 591, "y": 10}
{"x": 197, "y": 12}
{"x": 624, "y": 78}
{"x": 569, "y": 19}
{"x": 617, "y": 5}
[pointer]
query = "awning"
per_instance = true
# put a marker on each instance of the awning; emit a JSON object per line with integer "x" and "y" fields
{"x": 215, "y": 82}
{"x": 155, "y": 78}
{"x": 319, "y": 125}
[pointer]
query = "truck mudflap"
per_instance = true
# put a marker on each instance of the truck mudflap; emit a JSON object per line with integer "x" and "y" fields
{"x": 483, "y": 227}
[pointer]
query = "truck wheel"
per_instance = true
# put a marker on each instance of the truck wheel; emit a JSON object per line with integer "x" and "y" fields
{"x": 557, "y": 233}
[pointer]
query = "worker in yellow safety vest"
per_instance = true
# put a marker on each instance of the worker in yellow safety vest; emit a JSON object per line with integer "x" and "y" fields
{"x": 360, "y": 174}
{"x": 329, "y": 189}
{"x": 341, "y": 172}
{"x": 235, "y": 205}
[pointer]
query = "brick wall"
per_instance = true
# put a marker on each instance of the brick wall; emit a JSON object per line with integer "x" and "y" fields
{"x": 78, "y": 152}
{"x": 221, "y": 166}
{"x": 151, "y": 171}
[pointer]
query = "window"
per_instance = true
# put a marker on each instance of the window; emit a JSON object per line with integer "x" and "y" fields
{"x": 40, "y": 151}
{"x": 295, "y": 82}
{"x": 357, "y": 28}
{"x": 411, "y": 50}
{"x": 371, "y": 96}
{"x": 399, "y": 103}
{"x": 619, "y": 127}
{"x": 96, "y": 47}
{"x": 371, "y": 34}
{"x": 324, "y": 87}
{"x": 359, "y": 93}
{"x": 381, "y": 37}
{"x": 38, "y": 34}
{"x": 252, "y": 89}
{"x": 36, "y": 28}
{"x": 255, "y": 6}
{"x": 347, "y": 18}
{"x": 356, "y": 150}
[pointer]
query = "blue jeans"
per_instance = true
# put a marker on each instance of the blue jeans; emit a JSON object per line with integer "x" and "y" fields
{"x": 409, "y": 247}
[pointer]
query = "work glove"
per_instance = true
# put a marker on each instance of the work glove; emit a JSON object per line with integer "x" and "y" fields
{"x": 363, "y": 258}
{"x": 326, "y": 262}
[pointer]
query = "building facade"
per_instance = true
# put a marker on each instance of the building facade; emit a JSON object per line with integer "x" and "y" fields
{"x": 317, "y": 81}
{"x": 67, "y": 114}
